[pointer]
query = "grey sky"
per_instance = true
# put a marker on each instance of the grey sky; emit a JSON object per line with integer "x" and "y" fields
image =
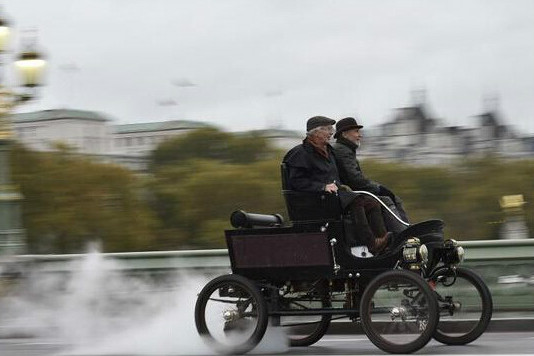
{"x": 253, "y": 64}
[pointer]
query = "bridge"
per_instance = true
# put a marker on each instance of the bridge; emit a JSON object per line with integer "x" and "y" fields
{"x": 507, "y": 266}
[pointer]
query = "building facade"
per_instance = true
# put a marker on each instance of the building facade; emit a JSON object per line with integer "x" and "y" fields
{"x": 92, "y": 134}
{"x": 411, "y": 136}
{"x": 87, "y": 131}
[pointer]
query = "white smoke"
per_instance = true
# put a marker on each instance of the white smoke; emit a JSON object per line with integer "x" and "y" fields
{"x": 98, "y": 309}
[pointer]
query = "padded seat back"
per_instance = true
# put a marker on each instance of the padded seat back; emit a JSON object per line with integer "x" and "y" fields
{"x": 309, "y": 206}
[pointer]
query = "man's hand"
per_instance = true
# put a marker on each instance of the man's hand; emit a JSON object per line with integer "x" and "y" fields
{"x": 331, "y": 188}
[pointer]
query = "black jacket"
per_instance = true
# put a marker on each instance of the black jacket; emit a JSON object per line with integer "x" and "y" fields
{"x": 308, "y": 170}
{"x": 350, "y": 172}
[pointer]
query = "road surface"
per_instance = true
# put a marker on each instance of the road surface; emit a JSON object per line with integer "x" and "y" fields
{"x": 502, "y": 343}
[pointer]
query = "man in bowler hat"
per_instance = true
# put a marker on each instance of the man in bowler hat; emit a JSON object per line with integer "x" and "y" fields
{"x": 348, "y": 138}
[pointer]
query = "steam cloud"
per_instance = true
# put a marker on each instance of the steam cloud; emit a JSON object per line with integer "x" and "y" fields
{"x": 98, "y": 309}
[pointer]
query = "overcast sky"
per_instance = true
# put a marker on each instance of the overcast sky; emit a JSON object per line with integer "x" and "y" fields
{"x": 255, "y": 64}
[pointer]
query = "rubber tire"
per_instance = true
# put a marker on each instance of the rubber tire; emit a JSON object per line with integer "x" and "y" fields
{"x": 316, "y": 335}
{"x": 250, "y": 288}
{"x": 487, "y": 309}
{"x": 365, "y": 306}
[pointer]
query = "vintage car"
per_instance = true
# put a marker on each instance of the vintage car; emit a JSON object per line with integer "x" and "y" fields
{"x": 302, "y": 276}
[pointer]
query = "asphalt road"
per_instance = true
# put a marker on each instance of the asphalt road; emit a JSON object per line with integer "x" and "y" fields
{"x": 506, "y": 343}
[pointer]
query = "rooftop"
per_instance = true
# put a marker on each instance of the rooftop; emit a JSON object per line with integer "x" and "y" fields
{"x": 159, "y": 126}
{"x": 59, "y": 114}
{"x": 276, "y": 133}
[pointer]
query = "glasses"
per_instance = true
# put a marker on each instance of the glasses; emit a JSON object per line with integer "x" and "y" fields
{"x": 328, "y": 129}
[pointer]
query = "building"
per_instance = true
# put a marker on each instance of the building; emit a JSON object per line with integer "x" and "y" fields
{"x": 87, "y": 131}
{"x": 90, "y": 133}
{"x": 412, "y": 135}
{"x": 141, "y": 139}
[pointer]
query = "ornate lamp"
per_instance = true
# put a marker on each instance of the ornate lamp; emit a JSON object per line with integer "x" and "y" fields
{"x": 30, "y": 65}
{"x": 4, "y": 34}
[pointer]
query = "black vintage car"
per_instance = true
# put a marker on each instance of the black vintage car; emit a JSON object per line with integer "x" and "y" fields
{"x": 303, "y": 276}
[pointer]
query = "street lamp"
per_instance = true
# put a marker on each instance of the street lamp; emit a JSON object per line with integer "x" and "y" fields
{"x": 30, "y": 65}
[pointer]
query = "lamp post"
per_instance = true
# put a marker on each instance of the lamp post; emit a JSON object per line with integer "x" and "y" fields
{"x": 30, "y": 65}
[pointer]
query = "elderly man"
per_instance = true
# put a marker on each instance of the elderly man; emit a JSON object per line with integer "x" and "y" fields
{"x": 312, "y": 168}
{"x": 311, "y": 165}
{"x": 348, "y": 138}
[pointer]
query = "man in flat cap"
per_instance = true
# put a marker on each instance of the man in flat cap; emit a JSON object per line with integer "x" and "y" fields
{"x": 311, "y": 165}
{"x": 312, "y": 168}
{"x": 348, "y": 138}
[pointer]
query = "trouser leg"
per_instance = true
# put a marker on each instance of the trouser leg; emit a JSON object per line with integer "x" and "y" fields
{"x": 376, "y": 221}
{"x": 373, "y": 210}
{"x": 364, "y": 234}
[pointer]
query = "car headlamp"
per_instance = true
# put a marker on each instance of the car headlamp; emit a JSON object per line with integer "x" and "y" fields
{"x": 423, "y": 253}
{"x": 460, "y": 253}
{"x": 414, "y": 253}
{"x": 454, "y": 253}
{"x": 409, "y": 254}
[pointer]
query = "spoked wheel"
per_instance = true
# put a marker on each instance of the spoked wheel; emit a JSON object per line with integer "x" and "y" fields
{"x": 305, "y": 330}
{"x": 465, "y": 306}
{"x": 231, "y": 314}
{"x": 399, "y": 312}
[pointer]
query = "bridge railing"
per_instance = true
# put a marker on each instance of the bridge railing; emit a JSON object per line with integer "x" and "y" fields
{"x": 507, "y": 266}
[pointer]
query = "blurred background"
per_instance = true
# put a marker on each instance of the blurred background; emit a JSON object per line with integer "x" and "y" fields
{"x": 138, "y": 127}
{"x": 154, "y": 120}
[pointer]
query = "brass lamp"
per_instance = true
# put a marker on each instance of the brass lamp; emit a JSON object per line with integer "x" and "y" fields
{"x": 30, "y": 65}
{"x": 4, "y": 34}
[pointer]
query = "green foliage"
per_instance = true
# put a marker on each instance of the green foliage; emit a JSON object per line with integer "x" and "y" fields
{"x": 70, "y": 201}
{"x": 210, "y": 144}
{"x": 466, "y": 195}
{"x": 199, "y": 179}
{"x": 198, "y": 201}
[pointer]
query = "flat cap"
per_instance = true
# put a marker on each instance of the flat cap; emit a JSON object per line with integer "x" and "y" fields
{"x": 317, "y": 121}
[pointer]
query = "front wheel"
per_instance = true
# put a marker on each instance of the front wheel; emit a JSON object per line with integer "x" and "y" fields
{"x": 399, "y": 312}
{"x": 465, "y": 305}
{"x": 231, "y": 314}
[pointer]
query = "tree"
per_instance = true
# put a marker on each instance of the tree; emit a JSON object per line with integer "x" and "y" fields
{"x": 70, "y": 201}
{"x": 195, "y": 200}
{"x": 199, "y": 179}
{"x": 465, "y": 195}
{"x": 211, "y": 144}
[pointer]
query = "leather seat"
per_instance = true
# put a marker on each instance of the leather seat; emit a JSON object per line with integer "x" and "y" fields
{"x": 309, "y": 206}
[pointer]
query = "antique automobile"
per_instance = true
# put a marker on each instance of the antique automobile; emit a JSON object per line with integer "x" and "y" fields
{"x": 302, "y": 276}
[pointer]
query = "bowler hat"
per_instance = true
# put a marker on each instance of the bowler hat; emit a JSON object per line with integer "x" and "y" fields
{"x": 346, "y": 124}
{"x": 317, "y": 121}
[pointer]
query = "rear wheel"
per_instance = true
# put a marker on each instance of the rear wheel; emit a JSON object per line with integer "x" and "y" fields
{"x": 231, "y": 314}
{"x": 399, "y": 312}
{"x": 305, "y": 330}
{"x": 465, "y": 306}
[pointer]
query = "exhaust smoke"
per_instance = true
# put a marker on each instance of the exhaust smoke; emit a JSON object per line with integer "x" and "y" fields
{"x": 98, "y": 309}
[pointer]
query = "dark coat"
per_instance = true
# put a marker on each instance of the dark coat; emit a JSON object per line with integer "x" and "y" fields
{"x": 349, "y": 168}
{"x": 309, "y": 171}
